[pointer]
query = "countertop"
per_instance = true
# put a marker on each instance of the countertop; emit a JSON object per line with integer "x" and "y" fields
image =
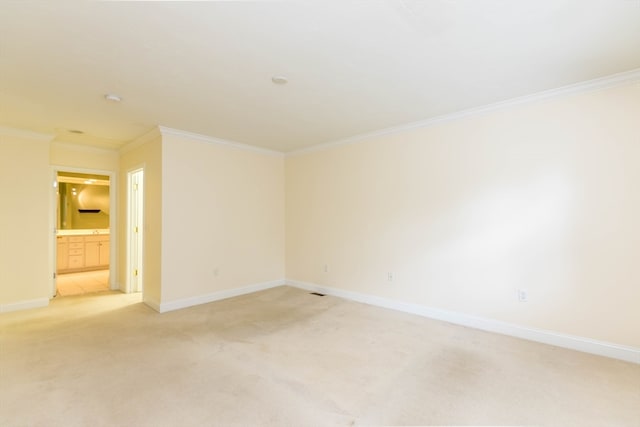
{"x": 82, "y": 232}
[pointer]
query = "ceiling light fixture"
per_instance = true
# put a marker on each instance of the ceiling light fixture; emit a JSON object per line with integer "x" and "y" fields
{"x": 112, "y": 97}
{"x": 279, "y": 80}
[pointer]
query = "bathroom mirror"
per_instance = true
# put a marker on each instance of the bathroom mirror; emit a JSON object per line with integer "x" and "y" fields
{"x": 83, "y": 201}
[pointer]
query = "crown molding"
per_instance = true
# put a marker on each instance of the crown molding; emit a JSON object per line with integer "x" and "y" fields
{"x": 149, "y": 136}
{"x": 26, "y": 134}
{"x": 212, "y": 140}
{"x": 586, "y": 86}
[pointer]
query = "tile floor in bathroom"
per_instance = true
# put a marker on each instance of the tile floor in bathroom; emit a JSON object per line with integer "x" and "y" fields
{"x": 82, "y": 283}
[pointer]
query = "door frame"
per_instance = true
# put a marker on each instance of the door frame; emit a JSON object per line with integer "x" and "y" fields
{"x": 113, "y": 214}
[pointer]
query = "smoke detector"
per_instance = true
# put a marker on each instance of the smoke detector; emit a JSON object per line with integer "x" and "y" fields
{"x": 112, "y": 97}
{"x": 279, "y": 80}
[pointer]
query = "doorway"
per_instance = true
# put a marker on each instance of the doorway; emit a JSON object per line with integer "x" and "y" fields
{"x": 83, "y": 259}
{"x": 135, "y": 230}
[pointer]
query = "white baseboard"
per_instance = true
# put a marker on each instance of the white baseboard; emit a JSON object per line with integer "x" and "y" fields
{"x": 215, "y": 296}
{"x": 587, "y": 345}
{"x": 153, "y": 304}
{"x": 24, "y": 305}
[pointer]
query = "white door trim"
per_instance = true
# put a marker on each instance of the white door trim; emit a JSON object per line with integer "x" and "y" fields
{"x": 113, "y": 211}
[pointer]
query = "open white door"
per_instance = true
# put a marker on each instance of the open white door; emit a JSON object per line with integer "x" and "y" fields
{"x": 135, "y": 230}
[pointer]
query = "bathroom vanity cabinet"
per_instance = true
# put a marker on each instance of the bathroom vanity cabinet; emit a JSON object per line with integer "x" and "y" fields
{"x": 82, "y": 252}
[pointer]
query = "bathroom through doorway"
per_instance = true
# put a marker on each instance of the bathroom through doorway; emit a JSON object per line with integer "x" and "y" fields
{"x": 83, "y": 238}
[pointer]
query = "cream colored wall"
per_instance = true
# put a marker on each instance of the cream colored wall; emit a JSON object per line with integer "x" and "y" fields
{"x": 543, "y": 197}
{"x": 147, "y": 155}
{"x": 25, "y": 233}
{"x": 84, "y": 157}
{"x": 223, "y": 218}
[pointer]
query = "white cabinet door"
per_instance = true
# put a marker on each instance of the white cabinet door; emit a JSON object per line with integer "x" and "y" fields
{"x": 62, "y": 254}
{"x": 91, "y": 254}
{"x": 104, "y": 252}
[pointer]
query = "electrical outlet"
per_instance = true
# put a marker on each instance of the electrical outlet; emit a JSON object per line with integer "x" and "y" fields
{"x": 326, "y": 268}
{"x": 216, "y": 272}
{"x": 523, "y": 296}
{"x": 390, "y": 277}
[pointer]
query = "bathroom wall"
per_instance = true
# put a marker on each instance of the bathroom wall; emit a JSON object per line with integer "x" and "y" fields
{"x": 86, "y": 197}
{"x": 69, "y": 157}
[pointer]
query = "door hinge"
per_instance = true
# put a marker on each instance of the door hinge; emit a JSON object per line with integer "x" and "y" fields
{"x": 136, "y": 228}
{"x": 135, "y": 272}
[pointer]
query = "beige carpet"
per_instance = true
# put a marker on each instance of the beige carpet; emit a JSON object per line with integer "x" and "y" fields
{"x": 286, "y": 358}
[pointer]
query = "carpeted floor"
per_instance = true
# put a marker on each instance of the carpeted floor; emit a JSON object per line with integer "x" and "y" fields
{"x": 283, "y": 357}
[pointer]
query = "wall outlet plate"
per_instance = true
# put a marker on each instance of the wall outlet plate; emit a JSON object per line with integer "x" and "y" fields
{"x": 523, "y": 296}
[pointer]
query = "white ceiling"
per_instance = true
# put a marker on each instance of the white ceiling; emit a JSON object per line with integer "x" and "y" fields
{"x": 353, "y": 66}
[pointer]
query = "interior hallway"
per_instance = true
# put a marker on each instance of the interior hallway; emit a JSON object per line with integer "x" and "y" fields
{"x": 285, "y": 357}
